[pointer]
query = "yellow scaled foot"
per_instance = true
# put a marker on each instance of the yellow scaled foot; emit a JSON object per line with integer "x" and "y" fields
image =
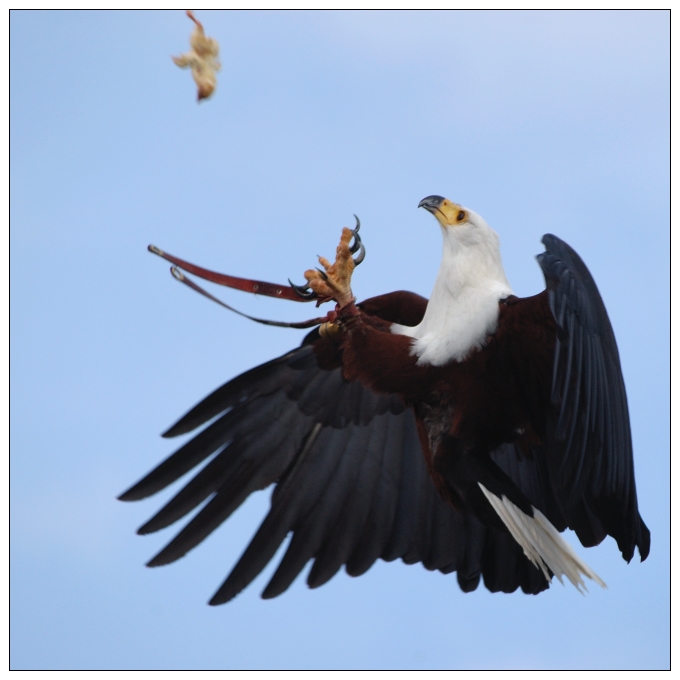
{"x": 335, "y": 282}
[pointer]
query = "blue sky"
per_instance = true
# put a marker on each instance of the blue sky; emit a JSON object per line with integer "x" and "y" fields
{"x": 539, "y": 121}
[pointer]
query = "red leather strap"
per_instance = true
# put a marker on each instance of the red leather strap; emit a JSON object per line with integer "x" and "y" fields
{"x": 247, "y": 285}
{"x": 283, "y": 324}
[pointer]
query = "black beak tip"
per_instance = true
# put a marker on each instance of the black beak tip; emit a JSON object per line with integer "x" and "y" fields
{"x": 431, "y": 202}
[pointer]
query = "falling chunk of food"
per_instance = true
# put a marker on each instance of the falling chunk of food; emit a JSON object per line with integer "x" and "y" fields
{"x": 202, "y": 60}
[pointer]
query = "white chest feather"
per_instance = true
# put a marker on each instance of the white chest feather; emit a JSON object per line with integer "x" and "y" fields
{"x": 463, "y": 308}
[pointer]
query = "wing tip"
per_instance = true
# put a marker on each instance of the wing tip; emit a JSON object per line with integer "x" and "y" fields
{"x": 468, "y": 583}
{"x": 146, "y": 529}
{"x": 132, "y": 494}
{"x": 168, "y": 555}
{"x": 156, "y": 562}
{"x": 176, "y": 430}
{"x": 139, "y": 491}
{"x": 223, "y": 595}
{"x": 644, "y": 540}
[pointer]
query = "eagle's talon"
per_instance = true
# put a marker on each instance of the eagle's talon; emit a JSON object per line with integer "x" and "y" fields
{"x": 357, "y": 244}
{"x": 357, "y": 240}
{"x": 362, "y": 254}
{"x": 303, "y": 291}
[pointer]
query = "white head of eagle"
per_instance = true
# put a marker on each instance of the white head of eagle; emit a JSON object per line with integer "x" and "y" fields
{"x": 463, "y": 308}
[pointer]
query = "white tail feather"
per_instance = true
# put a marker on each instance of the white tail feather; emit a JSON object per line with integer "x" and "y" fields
{"x": 542, "y": 543}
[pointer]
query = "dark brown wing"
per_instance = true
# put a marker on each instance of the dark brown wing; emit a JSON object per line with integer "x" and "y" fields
{"x": 351, "y": 481}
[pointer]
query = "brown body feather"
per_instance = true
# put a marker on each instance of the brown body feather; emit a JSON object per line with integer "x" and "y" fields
{"x": 464, "y": 410}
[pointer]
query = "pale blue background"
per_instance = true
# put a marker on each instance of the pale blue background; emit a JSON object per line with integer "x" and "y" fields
{"x": 541, "y": 122}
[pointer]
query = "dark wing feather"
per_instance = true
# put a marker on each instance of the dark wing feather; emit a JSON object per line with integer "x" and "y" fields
{"x": 351, "y": 483}
{"x": 588, "y": 443}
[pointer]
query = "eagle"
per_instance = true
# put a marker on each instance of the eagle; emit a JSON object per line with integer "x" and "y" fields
{"x": 464, "y": 432}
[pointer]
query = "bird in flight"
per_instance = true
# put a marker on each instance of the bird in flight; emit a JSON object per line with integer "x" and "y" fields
{"x": 464, "y": 432}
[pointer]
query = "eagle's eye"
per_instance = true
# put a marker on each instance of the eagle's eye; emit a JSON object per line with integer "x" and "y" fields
{"x": 461, "y": 216}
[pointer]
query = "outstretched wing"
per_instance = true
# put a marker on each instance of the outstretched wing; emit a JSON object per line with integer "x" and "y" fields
{"x": 351, "y": 482}
{"x": 588, "y": 445}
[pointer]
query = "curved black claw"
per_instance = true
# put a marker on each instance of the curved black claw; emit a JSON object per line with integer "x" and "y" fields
{"x": 357, "y": 245}
{"x": 324, "y": 276}
{"x": 357, "y": 241}
{"x": 303, "y": 291}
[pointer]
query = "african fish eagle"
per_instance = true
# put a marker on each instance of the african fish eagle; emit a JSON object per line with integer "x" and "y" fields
{"x": 464, "y": 432}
